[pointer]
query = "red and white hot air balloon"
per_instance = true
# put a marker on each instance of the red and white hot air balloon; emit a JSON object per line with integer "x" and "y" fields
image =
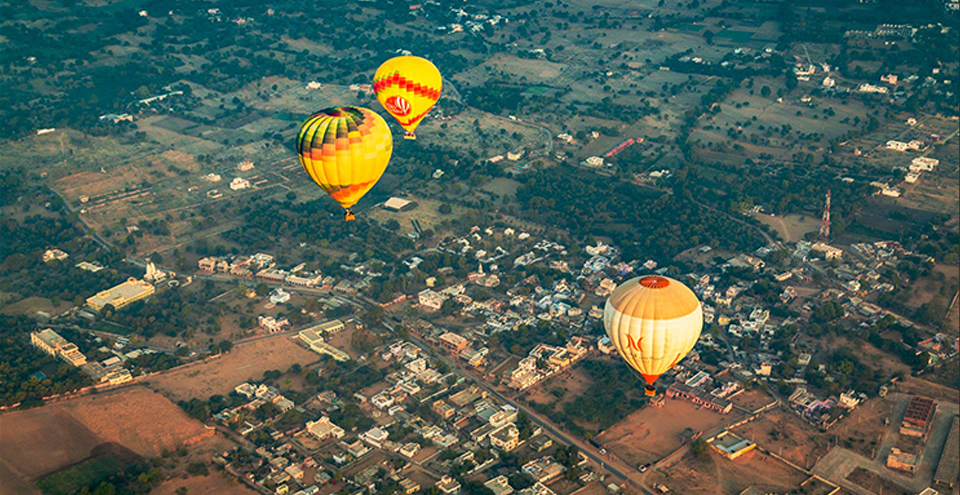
{"x": 653, "y": 322}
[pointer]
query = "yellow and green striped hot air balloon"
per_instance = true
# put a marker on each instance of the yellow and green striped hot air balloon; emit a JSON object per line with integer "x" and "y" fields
{"x": 653, "y": 322}
{"x": 345, "y": 150}
{"x": 408, "y": 87}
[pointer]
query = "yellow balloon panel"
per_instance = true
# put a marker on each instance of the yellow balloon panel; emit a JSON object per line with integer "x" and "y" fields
{"x": 653, "y": 322}
{"x": 408, "y": 87}
{"x": 345, "y": 150}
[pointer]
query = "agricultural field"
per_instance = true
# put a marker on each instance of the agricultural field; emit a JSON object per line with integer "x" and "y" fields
{"x": 247, "y": 361}
{"x": 94, "y": 434}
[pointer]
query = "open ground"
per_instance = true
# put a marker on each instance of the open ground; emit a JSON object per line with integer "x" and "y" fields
{"x": 652, "y": 432}
{"x": 786, "y": 435}
{"x": 246, "y": 361}
{"x": 41, "y": 441}
{"x": 721, "y": 476}
{"x": 790, "y": 228}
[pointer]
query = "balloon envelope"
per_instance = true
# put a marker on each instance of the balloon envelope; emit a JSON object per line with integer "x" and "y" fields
{"x": 408, "y": 87}
{"x": 653, "y": 322}
{"x": 345, "y": 150}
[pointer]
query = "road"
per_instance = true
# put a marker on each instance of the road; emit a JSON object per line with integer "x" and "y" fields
{"x": 614, "y": 467}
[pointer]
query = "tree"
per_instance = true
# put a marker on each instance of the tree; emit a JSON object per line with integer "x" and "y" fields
{"x": 700, "y": 449}
{"x": 392, "y": 224}
{"x": 445, "y": 209}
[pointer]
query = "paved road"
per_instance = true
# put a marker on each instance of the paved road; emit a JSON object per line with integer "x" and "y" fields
{"x": 589, "y": 451}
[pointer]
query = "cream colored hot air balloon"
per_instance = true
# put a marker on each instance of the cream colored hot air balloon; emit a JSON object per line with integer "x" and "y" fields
{"x": 653, "y": 322}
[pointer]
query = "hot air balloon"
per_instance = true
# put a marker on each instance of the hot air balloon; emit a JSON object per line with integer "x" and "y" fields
{"x": 345, "y": 150}
{"x": 653, "y": 322}
{"x": 408, "y": 87}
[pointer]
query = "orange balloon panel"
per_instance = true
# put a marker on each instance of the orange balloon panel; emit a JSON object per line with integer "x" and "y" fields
{"x": 653, "y": 322}
{"x": 345, "y": 150}
{"x": 408, "y": 87}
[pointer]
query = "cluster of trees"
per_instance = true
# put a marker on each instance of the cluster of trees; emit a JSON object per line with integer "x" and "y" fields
{"x": 28, "y": 374}
{"x": 173, "y": 311}
{"x": 645, "y": 224}
{"x": 621, "y": 394}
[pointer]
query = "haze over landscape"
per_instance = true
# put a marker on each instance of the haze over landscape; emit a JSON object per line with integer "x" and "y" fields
{"x": 636, "y": 246}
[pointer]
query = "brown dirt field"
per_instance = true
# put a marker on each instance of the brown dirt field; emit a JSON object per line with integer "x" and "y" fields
{"x": 573, "y": 382}
{"x": 651, "y": 433}
{"x": 137, "y": 418}
{"x": 917, "y": 386}
{"x": 40, "y": 441}
{"x": 721, "y": 476}
{"x": 791, "y": 228}
{"x": 875, "y": 483}
{"x": 213, "y": 484}
{"x": 751, "y": 400}
{"x": 865, "y": 425}
{"x": 797, "y": 441}
{"x": 594, "y": 488}
{"x": 245, "y": 362}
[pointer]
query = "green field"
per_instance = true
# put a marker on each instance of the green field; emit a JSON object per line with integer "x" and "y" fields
{"x": 86, "y": 473}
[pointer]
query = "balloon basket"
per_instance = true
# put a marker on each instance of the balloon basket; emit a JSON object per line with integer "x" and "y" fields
{"x": 649, "y": 391}
{"x": 410, "y": 135}
{"x": 348, "y": 216}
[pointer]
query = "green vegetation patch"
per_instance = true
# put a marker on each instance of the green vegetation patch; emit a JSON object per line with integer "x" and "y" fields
{"x": 85, "y": 473}
{"x": 737, "y": 36}
{"x": 537, "y": 90}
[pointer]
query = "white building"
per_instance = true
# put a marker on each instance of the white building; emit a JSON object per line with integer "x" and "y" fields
{"x": 239, "y": 183}
{"x": 323, "y": 428}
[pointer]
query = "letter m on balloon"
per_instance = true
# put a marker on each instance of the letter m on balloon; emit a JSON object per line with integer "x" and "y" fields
{"x": 633, "y": 344}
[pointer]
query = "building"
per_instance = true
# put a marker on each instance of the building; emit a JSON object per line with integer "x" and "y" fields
{"x": 700, "y": 397}
{"x": 245, "y": 166}
{"x": 446, "y": 411}
{"x": 448, "y": 486}
{"x": 332, "y": 326}
{"x": 53, "y": 344}
{"x": 923, "y": 164}
{"x": 409, "y": 450}
{"x": 537, "y": 489}
{"x": 918, "y": 417}
{"x": 279, "y": 296}
{"x": 54, "y": 254}
{"x": 310, "y": 336}
{"x": 408, "y": 486}
{"x": 829, "y": 252}
{"x": 505, "y": 438}
{"x": 430, "y": 299}
{"x": 375, "y": 437}
{"x": 499, "y": 486}
{"x": 903, "y": 461}
{"x": 395, "y": 204}
{"x": 730, "y": 445}
{"x": 122, "y": 295}
{"x": 322, "y": 348}
{"x": 543, "y": 469}
{"x": 239, "y": 183}
{"x": 949, "y": 465}
{"x": 594, "y": 162}
{"x": 453, "y": 342}
{"x": 272, "y": 324}
{"x": 323, "y": 429}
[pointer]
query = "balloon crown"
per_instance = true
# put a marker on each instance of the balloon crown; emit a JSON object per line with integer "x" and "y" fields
{"x": 654, "y": 282}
